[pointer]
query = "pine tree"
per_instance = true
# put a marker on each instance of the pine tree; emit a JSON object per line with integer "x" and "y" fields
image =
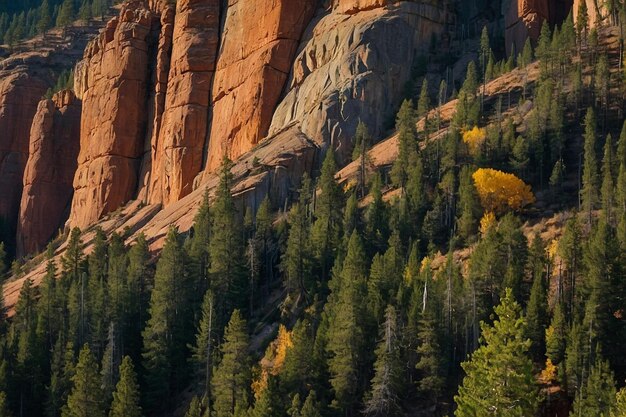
{"x": 431, "y": 383}
{"x": 167, "y": 331}
{"x": 86, "y": 398}
{"x": 66, "y": 14}
{"x": 556, "y": 335}
{"x": 499, "y": 379}
{"x": 195, "y": 408}
{"x": 140, "y": 281}
{"x": 311, "y": 407}
{"x": 199, "y": 248}
{"x": 407, "y": 142}
{"x": 346, "y": 333}
{"x": 299, "y": 369}
{"x": 376, "y": 217}
{"x": 4, "y": 407}
{"x": 589, "y": 191}
{"x": 607, "y": 190}
{"x": 423, "y": 104}
{"x": 469, "y": 208}
{"x": 536, "y": 313}
{"x": 326, "y": 230}
{"x": 296, "y": 261}
{"x": 45, "y": 20}
{"x": 385, "y": 396}
{"x": 597, "y": 396}
{"x": 232, "y": 376}
{"x": 203, "y": 350}
{"x": 619, "y": 410}
{"x": 227, "y": 271}
{"x": 126, "y": 395}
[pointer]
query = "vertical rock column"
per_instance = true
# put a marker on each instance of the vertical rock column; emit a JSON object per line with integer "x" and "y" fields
{"x": 19, "y": 95}
{"x": 259, "y": 43}
{"x": 177, "y": 151}
{"x": 112, "y": 82}
{"x": 54, "y": 141}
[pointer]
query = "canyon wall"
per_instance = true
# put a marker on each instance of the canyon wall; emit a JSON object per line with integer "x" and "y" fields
{"x": 49, "y": 173}
{"x": 168, "y": 90}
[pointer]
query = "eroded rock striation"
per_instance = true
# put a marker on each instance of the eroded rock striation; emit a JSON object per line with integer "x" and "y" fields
{"x": 258, "y": 44}
{"x": 112, "y": 81}
{"x": 354, "y": 66}
{"x": 177, "y": 149}
{"x": 49, "y": 173}
{"x": 524, "y": 18}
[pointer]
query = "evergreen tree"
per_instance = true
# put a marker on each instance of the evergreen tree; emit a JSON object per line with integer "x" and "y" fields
{"x": 597, "y": 396}
{"x": 126, "y": 395}
{"x": 423, "y": 104}
{"x": 499, "y": 379}
{"x": 431, "y": 382}
{"x": 45, "y": 19}
{"x": 167, "y": 331}
{"x": 4, "y": 407}
{"x": 232, "y": 376}
{"x": 86, "y": 398}
{"x": 311, "y": 407}
{"x": 195, "y": 408}
{"x": 202, "y": 357}
{"x": 3, "y": 260}
{"x": 556, "y": 335}
{"x": 407, "y": 142}
{"x": 66, "y": 13}
{"x": 227, "y": 271}
{"x": 607, "y": 190}
{"x": 326, "y": 230}
{"x": 589, "y": 191}
{"x": 385, "y": 396}
{"x": 346, "y": 335}
{"x": 469, "y": 208}
{"x": 376, "y": 217}
{"x": 536, "y": 311}
{"x": 199, "y": 248}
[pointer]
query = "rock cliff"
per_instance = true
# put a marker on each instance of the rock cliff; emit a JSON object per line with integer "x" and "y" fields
{"x": 112, "y": 81}
{"x": 25, "y": 75}
{"x": 54, "y": 140}
{"x": 524, "y": 18}
{"x": 259, "y": 41}
{"x": 168, "y": 91}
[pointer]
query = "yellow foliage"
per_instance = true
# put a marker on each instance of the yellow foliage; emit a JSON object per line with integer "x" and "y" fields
{"x": 488, "y": 220}
{"x": 500, "y": 191}
{"x": 474, "y": 138}
{"x": 549, "y": 373}
{"x": 425, "y": 265}
{"x": 259, "y": 385}
{"x": 283, "y": 343}
{"x": 553, "y": 248}
{"x": 273, "y": 360}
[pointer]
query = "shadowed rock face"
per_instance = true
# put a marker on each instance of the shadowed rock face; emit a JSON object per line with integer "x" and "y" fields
{"x": 20, "y": 93}
{"x": 54, "y": 141}
{"x": 524, "y": 18}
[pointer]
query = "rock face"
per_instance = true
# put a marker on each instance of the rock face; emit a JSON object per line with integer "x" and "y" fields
{"x": 113, "y": 83}
{"x": 54, "y": 140}
{"x": 20, "y": 93}
{"x": 524, "y": 18}
{"x": 177, "y": 152}
{"x": 259, "y": 41}
{"x": 596, "y": 9}
{"x": 353, "y": 67}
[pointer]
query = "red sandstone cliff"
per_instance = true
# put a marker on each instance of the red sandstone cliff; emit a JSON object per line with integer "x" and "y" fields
{"x": 54, "y": 140}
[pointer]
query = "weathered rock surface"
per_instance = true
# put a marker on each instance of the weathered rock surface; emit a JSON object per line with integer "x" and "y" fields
{"x": 177, "y": 152}
{"x": 596, "y": 9}
{"x": 112, "y": 81}
{"x": 259, "y": 41}
{"x": 54, "y": 140}
{"x": 20, "y": 93}
{"x": 353, "y": 67}
{"x": 524, "y": 18}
